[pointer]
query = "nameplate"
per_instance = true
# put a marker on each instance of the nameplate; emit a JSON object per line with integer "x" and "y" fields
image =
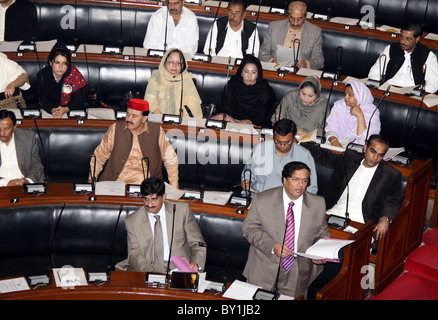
{"x": 31, "y": 113}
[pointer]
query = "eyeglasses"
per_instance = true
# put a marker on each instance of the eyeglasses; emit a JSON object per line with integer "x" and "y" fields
{"x": 174, "y": 63}
{"x": 283, "y": 143}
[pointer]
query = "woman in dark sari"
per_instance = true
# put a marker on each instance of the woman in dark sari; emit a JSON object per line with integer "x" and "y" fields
{"x": 248, "y": 98}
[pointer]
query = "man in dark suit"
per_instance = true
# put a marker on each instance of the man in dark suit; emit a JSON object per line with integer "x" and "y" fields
{"x": 378, "y": 200}
{"x": 20, "y": 21}
{"x": 289, "y": 32}
{"x": 145, "y": 254}
{"x": 374, "y": 192}
{"x": 19, "y": 159}
{"x": 264, "y": 229}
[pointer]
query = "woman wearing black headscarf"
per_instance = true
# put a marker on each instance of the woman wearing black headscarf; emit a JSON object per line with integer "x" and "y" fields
{"x": 249, "y": 98}
{"x": 60, "y": 85}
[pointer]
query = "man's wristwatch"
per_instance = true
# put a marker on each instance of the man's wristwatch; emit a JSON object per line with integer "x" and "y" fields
{"x": 389, "y": 220}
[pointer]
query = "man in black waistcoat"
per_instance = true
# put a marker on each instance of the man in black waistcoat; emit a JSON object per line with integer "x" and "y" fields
{"x": 407, "y": 63}
{"x": 20, "y": 21}
{"x": 233, "y": 35}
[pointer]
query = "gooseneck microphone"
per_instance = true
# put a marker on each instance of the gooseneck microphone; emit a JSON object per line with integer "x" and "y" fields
{"x": 255, "y": 29}
{"x": 109, "y": 266}
{"x": 225, "y": 277}
{"x": 171, "y": 244}
{"x": 145, "y": 176}
{"x": 52, "y": 242}
{"x": 386, "y": 93}
{"x": 339, "y": 54}
{"x": 296, "y": 51}
{"x": 165, "y": 29}
{"x": 323, "y": 137}
{"x": 211, "y": 30}
{"x": 382, "y": 68}
{"x": 275, "y": 287}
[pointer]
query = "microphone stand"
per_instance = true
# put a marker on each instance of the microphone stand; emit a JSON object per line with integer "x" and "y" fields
{"x": 256, "y": 23}
{"x": 262, "y": 294}
{"x": 202, "y": 244}
{"x": 386, "y": 93}
{"x": 323, "y": 137}
{"x": 171, "y": 244}
{"x": 171, "y": 118}
{"x": 142, "y": 165}
{"x": 339, "y": 53}
{"x": 211, "y": 33}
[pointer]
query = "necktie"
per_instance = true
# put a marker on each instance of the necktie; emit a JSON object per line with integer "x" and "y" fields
{"x": 158, "y": 245}
{"x": 289, "y": 241}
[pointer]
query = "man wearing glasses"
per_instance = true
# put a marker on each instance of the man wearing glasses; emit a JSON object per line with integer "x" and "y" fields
{"x": 291, "y": 32}
{"x": 233, "y": 35}
{"x": 150, "y": 232}
{"x": 268, "y": 159}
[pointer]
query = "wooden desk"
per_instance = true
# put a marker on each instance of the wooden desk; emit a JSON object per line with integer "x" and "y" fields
{"x": 124, "y": 285}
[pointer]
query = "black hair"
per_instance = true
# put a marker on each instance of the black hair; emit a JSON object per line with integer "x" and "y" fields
{"x": 416, "y": 28}
{"x": 238, "y": 3}
{"x": 292, "y": 166}
{"x": 152, "y": 186}
{"x": 284, "y": 126}
{"x": 379, "y": 138}
{"x": 181, "y": 57}
{"x": 8, "y": 114}
{"x": 57, "y": 50}
{"x": 309, "y": 84}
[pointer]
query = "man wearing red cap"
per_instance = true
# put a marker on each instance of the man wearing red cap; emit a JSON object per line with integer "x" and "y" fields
{"x": 134, "y": 149}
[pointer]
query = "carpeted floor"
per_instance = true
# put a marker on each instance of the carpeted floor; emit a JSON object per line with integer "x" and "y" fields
{"x": 420, "y": 279}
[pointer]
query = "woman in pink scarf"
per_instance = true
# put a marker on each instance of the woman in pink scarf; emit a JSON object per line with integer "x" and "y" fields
{"x": 349, "y": 118}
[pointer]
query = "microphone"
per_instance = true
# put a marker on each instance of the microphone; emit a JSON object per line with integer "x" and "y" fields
{"x": 211, "y": 32}
{"x": 44, "y": 152}
{"x": 225, "y": 277}
{"x": 339, "y": 54}
{"x": 220, "y": 124}
{"x": 247, "y": 190}
{"x": 297, "y": 48}
{"x": 386, "y": 93}
{"x": 41, "y": 280}
{"x": 189, "y": 112}
{"x": 262, "y": 294}
{"x": 142, "y": 166}
{"x": 255, "y": 29}
{"x": 171, "y": 244}
{"x": 165, "y": 30}
{"x": 93, "y": 174}
{"x": 382, "y": 69}
{"x": 201, "y": 177}
{"x": 52, "y": 244}
{"x": 414, "y": 127}
{"x": 98, "y": 277}
{"x": 170, "y": 118}
{"x": 323, "y": 137}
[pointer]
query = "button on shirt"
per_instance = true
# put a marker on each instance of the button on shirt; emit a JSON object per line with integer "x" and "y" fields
{"x": 9, "y": 169}
{"x": 358, "y": 186}
{"x": 233, "y": 43}
{"x": 183, "y": 36}
{"x": 297, "y": 209}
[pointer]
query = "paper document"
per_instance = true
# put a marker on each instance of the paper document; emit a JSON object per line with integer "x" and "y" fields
{"x": 429, "y": 100}
{"x": 285, "y": 54}
{"x": 309, "y": 72}
{"x": 13, "y": 285}
{"x": 110, "y": 188}
{"x": 325, "y": 249}
{"x": 241, "y": 128}
{"x": 346, "y": 21}
{"x": 45, "y": 46}
{"x": 217, "y": 197}
{"x": 173, "y": 193}
{"x": 9, "y": 46}
{"x": 240, "y": 290}
{"x": 69, "y": 277}
{"x": 309, "y": 136}
{"x": 392, "y": 152}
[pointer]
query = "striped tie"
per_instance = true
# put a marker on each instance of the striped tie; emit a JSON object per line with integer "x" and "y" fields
{"x": 289, "y": 242}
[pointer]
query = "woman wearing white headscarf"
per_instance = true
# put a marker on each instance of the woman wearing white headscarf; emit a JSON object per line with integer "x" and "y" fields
{"x": 350, "y": 117}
